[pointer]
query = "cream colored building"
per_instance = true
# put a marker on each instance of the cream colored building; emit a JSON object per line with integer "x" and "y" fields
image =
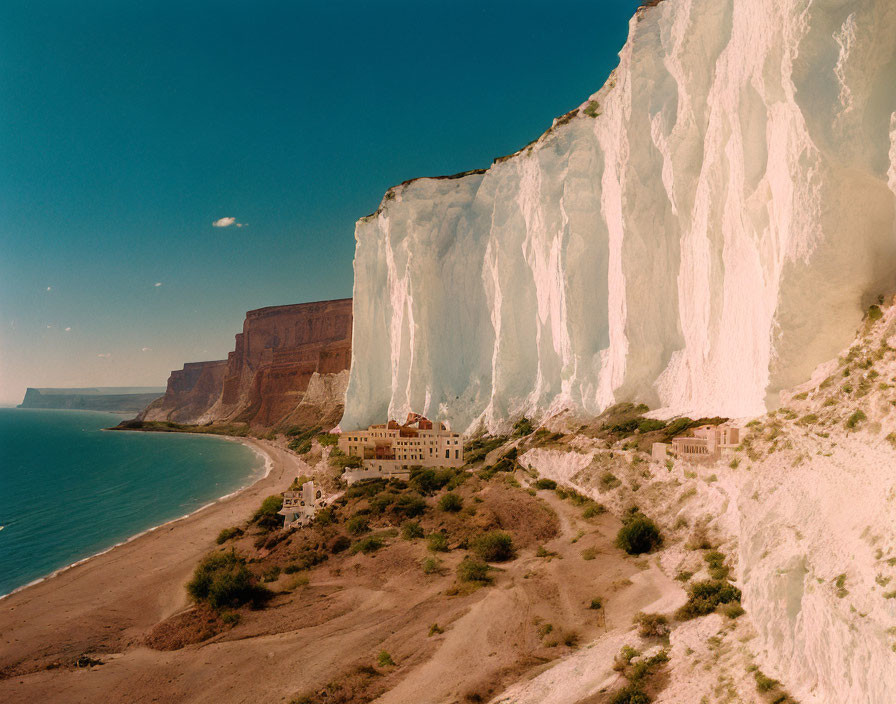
{"x": 300, "y": 506}
{"x": 707, "y": 443}
{"x": 390, "y": 449}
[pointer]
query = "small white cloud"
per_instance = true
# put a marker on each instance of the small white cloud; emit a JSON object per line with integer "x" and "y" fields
{"x": 157, "y": 284}
{"x": 146, "y": 349}
{"x": 68, "y": 329}
{"x": 227, "y": 222}
{"x": 49, "y": 288}
{"x": 49, "y": 326}
{"x": 104, "y": 355}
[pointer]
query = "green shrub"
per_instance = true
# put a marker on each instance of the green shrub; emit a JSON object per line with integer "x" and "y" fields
{"x": 227, "y": 534}
{"x": 222, "y": 580}
{"x": 652, "y": 625}
{"x": 596, "y": 604}
{"x": 494, "y": 546}
{"x": 230, "y": 618}
{"x": 302, "y": 437}
{"x": 477, "y": 450}
{"x": 649, "y": 425}
{"x": 437, "y": 542}
{"x": 705, "y": 596}
{"x": 435, "y": 629}
{"x": 630, "y": 694}
{"x": 298, "y": 481}
{"x": 357, "y": 525}
{"x": 368, "y": 544}
{"x": 451, "y": 502}
{"x": 875, "y": 313}
{"x": 340, "y": 460}
{"x": 327, "y": 439}
{"x": 732, "y": 610}
{"x": 522, "y": 427}
{"x": 431, "y": 565}
{"x": 472, "y": 570}
{"x": 546, "y": 484}
{"x": 383, "y": 659}
{"x": 326, "y": 516}
{"x": 594, "y": 509}
{"x": 639, "y": 535}
{"x": 855, "y": 419}
{"x": 428, "y": 481}
{"x": 608, "y": 481}
{"x": 764, "y": 683}
{"x": 410, "y": 505}
{"x": 411, "y": 530}
{"x": 267, "y": 516}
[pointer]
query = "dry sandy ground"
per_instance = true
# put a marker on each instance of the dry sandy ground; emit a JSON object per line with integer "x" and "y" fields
{"x": 109, "y": 601}
{"x": 323, "y": 631}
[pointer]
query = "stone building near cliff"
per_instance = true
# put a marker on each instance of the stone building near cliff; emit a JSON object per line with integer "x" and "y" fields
{"x": 300, "y": 506}
{"x": 389, "y": 450}
{"x": 708, "y": 443}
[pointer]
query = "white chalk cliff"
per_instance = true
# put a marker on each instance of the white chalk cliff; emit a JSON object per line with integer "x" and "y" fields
{"x": 698, "y": 235}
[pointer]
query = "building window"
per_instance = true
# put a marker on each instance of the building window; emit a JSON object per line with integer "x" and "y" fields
{"x": 455, "y": 454}
{"x": 447, "y": 454}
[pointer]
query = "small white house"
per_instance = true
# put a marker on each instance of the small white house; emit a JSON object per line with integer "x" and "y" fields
{"x": 300, "y": 506}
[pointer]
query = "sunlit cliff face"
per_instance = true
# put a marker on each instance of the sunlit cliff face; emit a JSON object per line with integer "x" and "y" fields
{"x": 701, "y": 233}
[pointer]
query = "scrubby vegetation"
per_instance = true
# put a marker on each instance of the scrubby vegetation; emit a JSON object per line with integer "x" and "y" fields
{"x": 638, "y": 534}
{"x": 705, "y": 597}
{"x": 451, "y": 502}
{"x": 228, "y": 534}
{"x": 473, "y": 570}
{"x": 476, "y": 450}
{"x": 267, "y": 517}
{"x": 494, "y": 546}
{"x": 222, "y": 580}
{"x": 640, "y": 672}
{"x": 522, "y": 427}
{"x": 652, "y": 625}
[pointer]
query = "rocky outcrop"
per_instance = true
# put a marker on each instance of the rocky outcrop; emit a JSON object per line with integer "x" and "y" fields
{"x": 112, "y": 399}
{"x": 191, "y": 392}
{"x": 276, "y": 356}
{"x": 289, "y": 367}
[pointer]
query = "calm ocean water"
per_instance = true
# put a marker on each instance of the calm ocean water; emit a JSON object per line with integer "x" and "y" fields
{"x": 69, "y": 490}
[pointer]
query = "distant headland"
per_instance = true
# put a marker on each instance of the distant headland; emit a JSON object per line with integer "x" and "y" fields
{"x": 123, "y": 399}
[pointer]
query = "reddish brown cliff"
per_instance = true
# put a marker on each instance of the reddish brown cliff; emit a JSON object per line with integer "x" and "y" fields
{"x": 289, "y": 367}
{"x": 278, "y": 354}
{"x": 191, "y": 392}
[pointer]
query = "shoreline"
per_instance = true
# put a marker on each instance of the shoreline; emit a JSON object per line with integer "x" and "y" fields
{"x": 253, "y": 479}
{"x": 109, "y": 602}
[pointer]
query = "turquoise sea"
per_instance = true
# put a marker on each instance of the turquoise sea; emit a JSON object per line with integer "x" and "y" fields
{"x": 69, "y": 489}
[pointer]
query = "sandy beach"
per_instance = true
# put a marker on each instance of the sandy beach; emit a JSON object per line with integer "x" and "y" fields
{"x": 111, "y": 600}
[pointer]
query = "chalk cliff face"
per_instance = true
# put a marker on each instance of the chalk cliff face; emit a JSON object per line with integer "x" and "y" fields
{"x": 289, "y": 366}
{"x": 698, "y": 235}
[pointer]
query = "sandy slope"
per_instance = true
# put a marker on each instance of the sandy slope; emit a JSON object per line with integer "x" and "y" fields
{"x": 111, "y": 600}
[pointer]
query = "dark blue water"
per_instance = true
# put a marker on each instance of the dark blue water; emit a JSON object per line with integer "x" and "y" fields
{"x": 69, "y": 489}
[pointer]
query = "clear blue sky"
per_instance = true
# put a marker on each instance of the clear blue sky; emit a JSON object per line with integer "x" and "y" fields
{"x": 128, "y": 128}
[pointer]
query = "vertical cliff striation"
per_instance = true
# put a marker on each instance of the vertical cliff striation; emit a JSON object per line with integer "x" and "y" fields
{"x": 191, "y": 392}
{"x": 698, "y": 234}
{"x": 289, "y": 366}
{"x": 281, "y": 350}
